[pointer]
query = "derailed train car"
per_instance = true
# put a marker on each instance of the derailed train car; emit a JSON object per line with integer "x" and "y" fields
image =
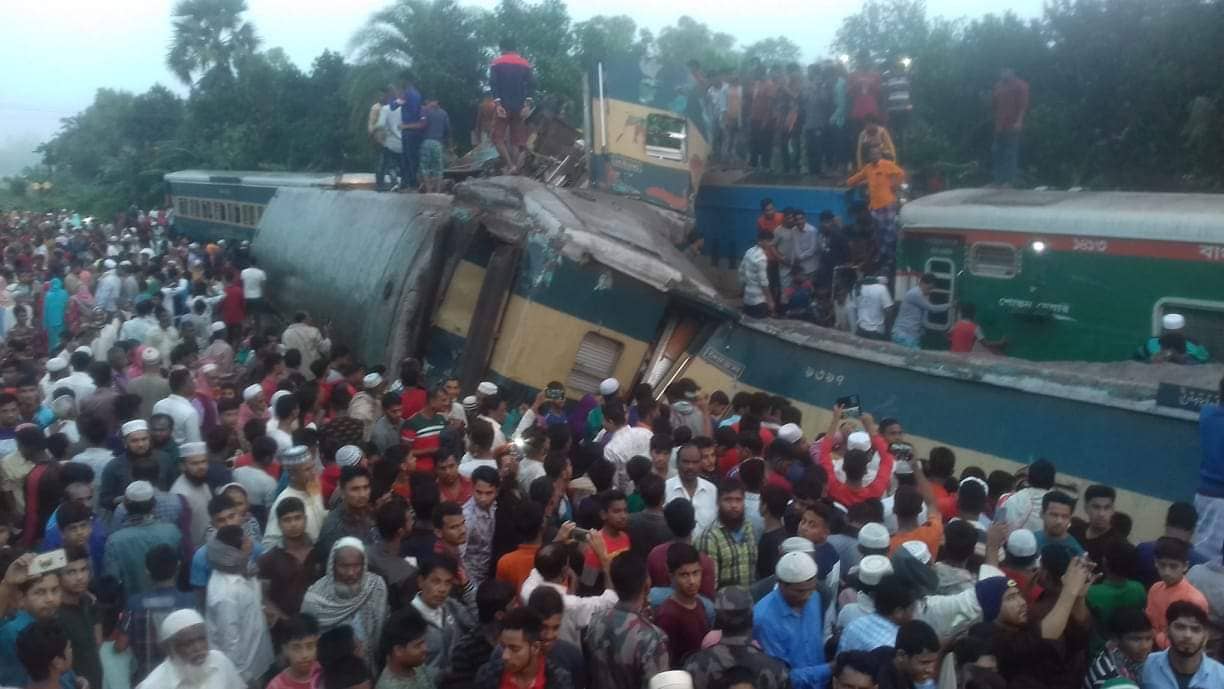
{"x": 521, "y": 283}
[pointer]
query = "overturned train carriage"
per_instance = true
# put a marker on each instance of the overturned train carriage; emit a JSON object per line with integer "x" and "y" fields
{"x": 524, "y": 284}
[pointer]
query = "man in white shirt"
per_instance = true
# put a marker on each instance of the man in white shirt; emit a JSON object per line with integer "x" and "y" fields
{"x": 624, "y": 442}
{"x": 552, "y": 570}
{"x": 192, "y": 484}
{"x": 79, "y": 381}
{"x": 688, "y": 485}
{"x": 253, "y": 280}
{"x": 178, "y": 407}
{"x": 872, "y": 308}
{"x": 190, "y": 663}
{"x": 303, "y": 336}
{"x": 754, "y": 278}
{"x": 807, "y": 246}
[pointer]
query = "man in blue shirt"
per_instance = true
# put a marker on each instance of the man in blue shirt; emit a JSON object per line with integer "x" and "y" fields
{"x": 788, "y": 622}
{"x": 411, "y": 128}
{"x": 1209, "y": 500}
{"x": 1056, "y": 510}
{"x": 40, "y": 597}
{"x": 1185, "y": 664}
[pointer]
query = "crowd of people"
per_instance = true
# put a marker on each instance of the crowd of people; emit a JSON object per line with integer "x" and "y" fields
{"x": 412, "y": 134}
{"x": 192, "y": 496}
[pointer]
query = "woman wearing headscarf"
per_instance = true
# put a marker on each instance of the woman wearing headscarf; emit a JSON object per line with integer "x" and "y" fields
{"x": 80, "y": 305}
{"x": 349, "y": 594}
{"x": 7, "y": 303}
{"x": 55, "y": 308}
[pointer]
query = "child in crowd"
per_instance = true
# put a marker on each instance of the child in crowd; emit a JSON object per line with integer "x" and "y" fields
{"x": 300, "y": 650}
{"x": 1172, "y": 563}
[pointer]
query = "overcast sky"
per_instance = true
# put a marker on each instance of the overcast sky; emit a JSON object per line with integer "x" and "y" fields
{"x": 57, "y": 53}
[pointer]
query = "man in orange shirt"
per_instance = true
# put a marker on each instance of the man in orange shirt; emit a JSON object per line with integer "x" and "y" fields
{"x": 1172, "y": 562}
{"x": 907, "y": 505}
{"x": 515, "y": 566}
{"x": 883, "y": 178}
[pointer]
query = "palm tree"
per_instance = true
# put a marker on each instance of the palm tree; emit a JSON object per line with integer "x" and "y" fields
{"x": 210, "y": 36}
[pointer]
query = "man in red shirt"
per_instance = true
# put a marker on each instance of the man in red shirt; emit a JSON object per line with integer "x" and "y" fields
{"x": 966, "y": 333}
{"x": 683, "y": 614}
{"x": 614, "y": 511}
{"x": 1011, "y": 102}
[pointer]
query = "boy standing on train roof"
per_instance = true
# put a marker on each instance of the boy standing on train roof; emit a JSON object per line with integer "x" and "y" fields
{"x": 1172, "y": 345}
{"x": 433, "y": 147}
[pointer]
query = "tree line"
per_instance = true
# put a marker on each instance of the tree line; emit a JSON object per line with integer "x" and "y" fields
{"x": 1125, "y": 93}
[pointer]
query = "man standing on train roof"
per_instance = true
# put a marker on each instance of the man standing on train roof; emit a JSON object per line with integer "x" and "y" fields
{"x": 1172, "y": 345}
{"x": 513, "y": 81}
{"x": 911, "y": 317}
{"x": 754, "y": 277}
{"x": 883, "y": 178}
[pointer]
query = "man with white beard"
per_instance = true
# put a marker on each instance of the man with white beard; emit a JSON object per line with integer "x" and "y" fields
{"x": 190, "y": 663}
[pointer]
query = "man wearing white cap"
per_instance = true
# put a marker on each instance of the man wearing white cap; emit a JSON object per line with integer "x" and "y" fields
{"x": 192, "y": 484}
{"x": 871, "y": 570}
{"x": 303, "y": 336}
{"x": 57, "y": 371}
{"x": 788, "y": 623}
{"x": 124, "y": 558}
{"x": 595, "y": 420}
{"x": 254, "y": 405}
{"x": 190, "y": 663}
{"x": 303, "y": 486}
{"x": 1172, "y": 345}
{"x": 151, "y": 385}
{"x": 365, "y": 405}
{"x": 107, "y": 295}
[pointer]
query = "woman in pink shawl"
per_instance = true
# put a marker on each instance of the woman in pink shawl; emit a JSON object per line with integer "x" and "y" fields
{"x": 79, "y": 305}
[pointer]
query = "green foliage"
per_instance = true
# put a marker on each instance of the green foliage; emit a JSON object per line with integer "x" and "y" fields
{"x": 604, "y": 38}
{"x": 1125, "y": 93}
{"x": 209, "y": 36}
{"x": 17, "y": 186}
{"x": 690, "y": 39}
{"x": 777, "y": 50}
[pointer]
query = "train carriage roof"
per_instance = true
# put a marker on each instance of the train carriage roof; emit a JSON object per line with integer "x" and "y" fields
{"x": 328, "y": 180}
{"x": 1108, "y": 214}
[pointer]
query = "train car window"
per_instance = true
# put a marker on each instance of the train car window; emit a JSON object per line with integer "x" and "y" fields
{"x": 222, "y": 211}
{"x": 235, "y": 213}
{"x": 942, "y": 292}
{"x": 258, "y": 214}
{"x": 994, "y": 260}
{"x": 248, "y": 214}
{"x": 596, "y": 360}
{"x": 1204, "y": 320}
{"x": 665, "y": 137}
{"x": 206, "y": 210}
{"x": 182, "y": 206}
{"x": 195, "y": 208}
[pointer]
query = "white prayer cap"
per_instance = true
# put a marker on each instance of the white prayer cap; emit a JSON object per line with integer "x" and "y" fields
{"x": 83, "y": 349}
{"x": 790, "y": 432}
{"x": 193, "y": 449}
{"x": 150, "y": 355}
{"x": 177, "y": 621}
{"x": 251, "y": 392}
{"x": 146, "y": 251}
{"x": 919, "y": 550}
{"x": 858, "y": 440}
{"x": 797, "y": 544}
{"x": 138, "y": 491}
{"x": 208, "y": 368}
{"x": 873, "y": 536}
{"x": 134, "y": 426}
{"x": 609, "y": 386}
{"x": 672, "y": 679}
{"x": 872, "y": 569}
{"x": 794, "y": 568}
{"x": 486, "y": 388}
{"x": 470, "y": 404}
{"x": 371, "y": 381}
{"x": 349, "y": 455}
{"x": 294, "y": 456}
{"x": 108, "y": 264}
{"x": 1173, "y": 321}
{"x": 56, "y": 364}
{"x": 231, "y": 484}
{"x": 217, "y": 327}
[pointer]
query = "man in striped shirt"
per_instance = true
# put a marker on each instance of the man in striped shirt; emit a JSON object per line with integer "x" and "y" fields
{"x": 423, "y": 432}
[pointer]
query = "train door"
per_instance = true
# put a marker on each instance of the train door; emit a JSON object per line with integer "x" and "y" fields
{"x": 681, "y": 333}
{"x": 944, "y": 269}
